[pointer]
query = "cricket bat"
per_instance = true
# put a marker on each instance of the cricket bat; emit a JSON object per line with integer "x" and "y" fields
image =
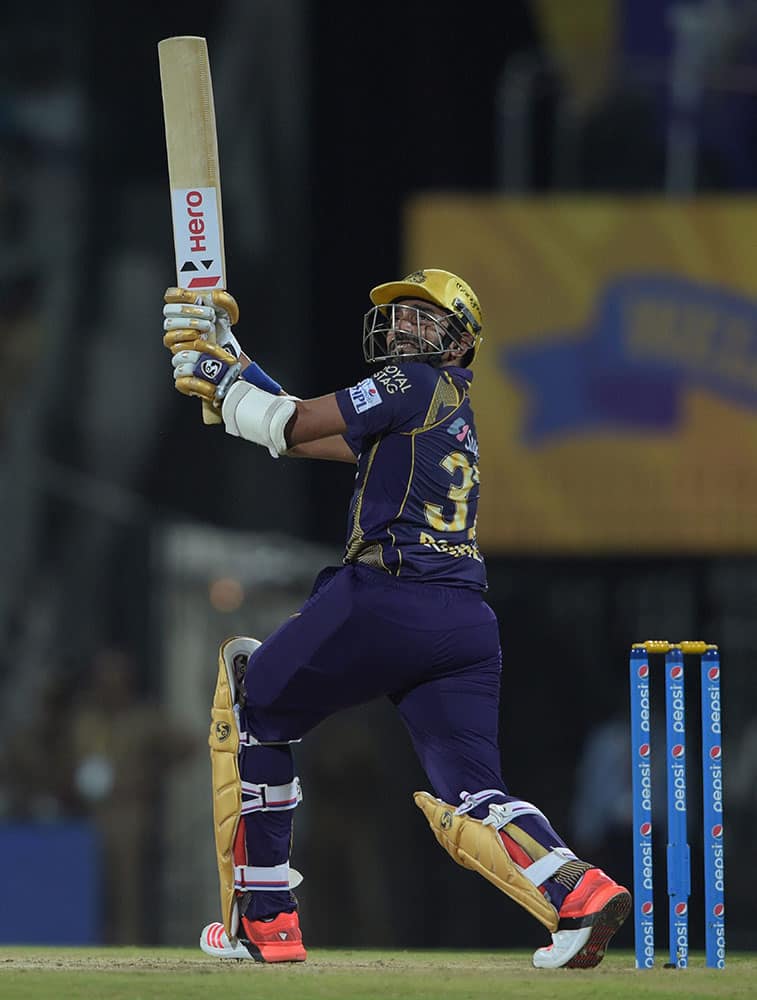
{"x": 193, "y": 170}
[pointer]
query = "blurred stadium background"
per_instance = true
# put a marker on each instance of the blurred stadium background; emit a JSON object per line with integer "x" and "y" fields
{"x": 591, "y": 169}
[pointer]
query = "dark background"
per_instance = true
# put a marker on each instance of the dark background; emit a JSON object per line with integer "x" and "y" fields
{"x": 349, "y": 110}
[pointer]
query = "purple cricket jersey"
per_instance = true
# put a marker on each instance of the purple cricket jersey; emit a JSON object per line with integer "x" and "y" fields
{"x": 413, "y": 511}
{"x": 404, "y": 617}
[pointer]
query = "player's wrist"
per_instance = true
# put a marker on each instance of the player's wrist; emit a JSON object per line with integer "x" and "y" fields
{"x": 255, "y": 375}
{"x": 258, "y": 416}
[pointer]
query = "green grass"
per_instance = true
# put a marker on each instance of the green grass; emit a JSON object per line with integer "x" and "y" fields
{"x": 155, "y": 974}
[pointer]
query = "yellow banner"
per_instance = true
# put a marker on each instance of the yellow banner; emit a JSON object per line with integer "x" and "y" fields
{"x": 616, "y": 390}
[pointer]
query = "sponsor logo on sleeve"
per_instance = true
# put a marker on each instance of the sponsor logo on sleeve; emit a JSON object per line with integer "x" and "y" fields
{"x": 365, "y": 395}
{"x": 462, "y": 431}
{"x": 393, "y": 379}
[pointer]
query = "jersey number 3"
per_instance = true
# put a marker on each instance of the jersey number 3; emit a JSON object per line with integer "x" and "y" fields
{"x": 457, "y": 494}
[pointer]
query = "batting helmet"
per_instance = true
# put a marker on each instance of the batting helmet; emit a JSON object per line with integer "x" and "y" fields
{"x": 444, "y": 289}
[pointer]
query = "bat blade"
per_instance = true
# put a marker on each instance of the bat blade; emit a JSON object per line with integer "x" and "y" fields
{"x": 193, "y": 168}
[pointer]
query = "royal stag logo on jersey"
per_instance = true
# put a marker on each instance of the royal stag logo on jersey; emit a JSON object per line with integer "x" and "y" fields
{"x": 393, "y": 379}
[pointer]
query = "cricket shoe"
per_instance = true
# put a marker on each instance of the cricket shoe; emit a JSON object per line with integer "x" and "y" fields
{"x": 589, "y": 917}
{"x": 277, "y": 940}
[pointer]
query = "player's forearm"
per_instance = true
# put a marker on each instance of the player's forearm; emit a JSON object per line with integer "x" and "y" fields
{"x": 314, "y": 420}
{"x": 333, "y": 449}
{"x": 214, "y": 368}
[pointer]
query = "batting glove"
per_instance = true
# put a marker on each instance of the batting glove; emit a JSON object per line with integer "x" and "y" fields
{"x": 205, "y": 370}
{"x": 188, "y": 317}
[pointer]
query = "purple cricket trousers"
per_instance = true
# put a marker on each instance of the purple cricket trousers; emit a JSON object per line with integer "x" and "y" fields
{"x": 434, "y": 650}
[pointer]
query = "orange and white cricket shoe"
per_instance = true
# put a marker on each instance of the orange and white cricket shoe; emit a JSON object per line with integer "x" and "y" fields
{"x": 589, "y": 917}
{"x": 277, "y": 940}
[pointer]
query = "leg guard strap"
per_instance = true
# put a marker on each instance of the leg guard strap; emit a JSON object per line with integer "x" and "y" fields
{"x": 263, "y": 798}
{"x": 501, "y": 814}
{"x": 539, "y": 871}
{"x": 248, "y": 740}
{"x": 252, "y": 878}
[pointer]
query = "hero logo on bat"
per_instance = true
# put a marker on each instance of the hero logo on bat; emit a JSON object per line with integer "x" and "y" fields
{"x": 197, "y": 237}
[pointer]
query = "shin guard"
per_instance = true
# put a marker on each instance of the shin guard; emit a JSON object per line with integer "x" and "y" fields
{"x": 227, "y": 785}
{"x": 479, "y": 847}
{"x": 233, "y": 798}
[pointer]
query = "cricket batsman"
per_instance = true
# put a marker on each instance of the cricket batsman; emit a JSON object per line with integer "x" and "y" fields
{"x": 403, "y": 616}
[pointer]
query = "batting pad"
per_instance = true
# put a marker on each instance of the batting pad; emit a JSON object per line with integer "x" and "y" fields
{"x": 227, "y": 786}
{"x": 479, "y": 848}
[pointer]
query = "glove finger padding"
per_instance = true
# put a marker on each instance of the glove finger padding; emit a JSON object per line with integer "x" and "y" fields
{"x": 181, "y": 318}
{"x": 194, "y": 385}
{"x": 190, "y": 385}
{"x": 214, "y": 350}
{"x": 219, "y": 298}
{"x": 184, "y": 339}
{"x": 211, "y": 315}
{"x": 223, "y": 301}
{"x": 174, "y": 311}
{"x": 173, "y": 294}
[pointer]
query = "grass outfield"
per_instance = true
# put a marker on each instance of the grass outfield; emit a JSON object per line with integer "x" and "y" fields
{"x": 157, "y": 973}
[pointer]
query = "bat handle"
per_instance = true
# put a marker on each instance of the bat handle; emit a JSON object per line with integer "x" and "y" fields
{"x": 209, "y": 414}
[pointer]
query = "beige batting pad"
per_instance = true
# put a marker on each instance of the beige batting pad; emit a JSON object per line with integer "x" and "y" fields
{"x": 479, "y": 847}
{"x": 227, "y": 789}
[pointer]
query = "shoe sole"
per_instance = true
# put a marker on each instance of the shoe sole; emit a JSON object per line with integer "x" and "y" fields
{"x": 604, "y": 925}
{"x": 213, "y": 942}
{"x": 273, "y": 959}
{"x": 245, "y": 951}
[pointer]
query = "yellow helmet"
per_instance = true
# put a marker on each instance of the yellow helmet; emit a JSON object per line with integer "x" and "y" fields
{"x": 443, "y": 289}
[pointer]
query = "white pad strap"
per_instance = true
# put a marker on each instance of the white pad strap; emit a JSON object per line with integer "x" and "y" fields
{"x": 472, "y": 799}
{"x": 277, "y": 878}
{"x": 502, "y": 813}
{"x": 545, "y": 867}
{"x": 248, "y": 740}
{"x": 258, "y": 416}
{"x": 267, "y": 798}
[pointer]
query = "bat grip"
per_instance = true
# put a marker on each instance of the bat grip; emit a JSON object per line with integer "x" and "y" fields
{"x": 209, "y": 414}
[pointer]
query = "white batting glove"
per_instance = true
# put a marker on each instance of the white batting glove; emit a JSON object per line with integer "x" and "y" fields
{"x": 226, "y": 314}
{"x": 188, "y": 317}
